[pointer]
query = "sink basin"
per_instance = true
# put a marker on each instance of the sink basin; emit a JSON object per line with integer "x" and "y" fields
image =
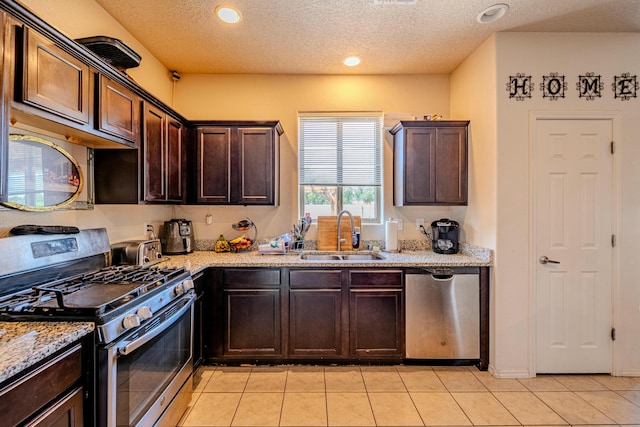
{"x": 341, "y": 257}
{"x": 356, "y": 257}
{"x": 321, "y": 257}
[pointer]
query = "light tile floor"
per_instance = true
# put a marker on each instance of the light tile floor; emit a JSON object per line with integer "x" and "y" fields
{"x": 405, "y": 396}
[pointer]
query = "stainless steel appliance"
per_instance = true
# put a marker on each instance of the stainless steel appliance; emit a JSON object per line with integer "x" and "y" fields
{"x": 444, "y": 236}
{"x": 143, "y": 317}
{"x": 177, "y": 237}
{"x": 136, "y": 252}
{"x": 443, "y": 313}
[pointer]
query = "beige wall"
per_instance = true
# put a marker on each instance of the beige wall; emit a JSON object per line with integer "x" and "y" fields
{"x": 244, "y": 97}
{"x": 280, "y": 97}
{"x": 473, "y": 96}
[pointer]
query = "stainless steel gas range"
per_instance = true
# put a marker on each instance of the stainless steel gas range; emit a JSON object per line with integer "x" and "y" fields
{"x": 143, "y": 317}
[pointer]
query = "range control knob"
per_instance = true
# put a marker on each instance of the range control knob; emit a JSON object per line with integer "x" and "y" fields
{"x": 131, "y": 321}
{"x": 179, "y": 290}
{"x": 144, "y": 312}
{"x": 187, "y": 284}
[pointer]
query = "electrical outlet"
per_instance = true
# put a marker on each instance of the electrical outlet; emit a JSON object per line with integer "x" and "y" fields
{"x": 146, "y": 228}
{"x": 400, "y": 224}
{"x": 208, "y": 219}
{"x": 419, "y": 222}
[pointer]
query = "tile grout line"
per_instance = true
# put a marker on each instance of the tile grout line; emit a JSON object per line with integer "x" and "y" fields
{"x": 410, "y": 397}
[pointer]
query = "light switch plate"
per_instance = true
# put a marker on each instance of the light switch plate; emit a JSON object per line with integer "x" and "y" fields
{"x": 400, "y": 224}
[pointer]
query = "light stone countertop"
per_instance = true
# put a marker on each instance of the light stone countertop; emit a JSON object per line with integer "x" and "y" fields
{"x": 23, "y": 344}
{"x": 200, "y": 260}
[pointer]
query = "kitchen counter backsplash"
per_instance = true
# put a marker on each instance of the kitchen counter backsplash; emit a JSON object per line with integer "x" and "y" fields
{"x": 403, "y": 245}
{"x": 312, "y": 245}
{"x": 469, "y": 256}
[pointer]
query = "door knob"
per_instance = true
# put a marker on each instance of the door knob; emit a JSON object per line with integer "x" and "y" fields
{"x": 545, "y": 260}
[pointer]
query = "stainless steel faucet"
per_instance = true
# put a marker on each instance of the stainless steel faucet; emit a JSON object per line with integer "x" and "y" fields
{"x": 340, "y": 240}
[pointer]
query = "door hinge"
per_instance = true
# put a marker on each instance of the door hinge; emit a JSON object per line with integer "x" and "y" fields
{"x": 613, "y": 240}
{"x": 613, "y": 147}
{"x": 613, "y": 334}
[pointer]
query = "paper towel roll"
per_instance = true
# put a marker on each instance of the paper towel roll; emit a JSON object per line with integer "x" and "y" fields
{"x": 391, "y": 235}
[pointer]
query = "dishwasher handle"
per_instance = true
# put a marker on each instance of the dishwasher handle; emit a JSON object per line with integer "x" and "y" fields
{"x": 442, "y": 277}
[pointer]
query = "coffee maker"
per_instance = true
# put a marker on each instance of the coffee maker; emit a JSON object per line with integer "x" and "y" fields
{"x": 177, "y": 237}
{"x": 444, "y": 236}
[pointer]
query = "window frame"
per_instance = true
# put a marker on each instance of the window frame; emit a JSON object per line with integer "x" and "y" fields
{"x": 378, "y": 172}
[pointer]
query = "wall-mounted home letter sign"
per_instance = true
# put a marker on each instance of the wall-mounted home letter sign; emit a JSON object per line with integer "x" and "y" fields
{"x": 625, "y": 86}
{"x": 553, "y": 86}
{"x": 590, "y": 86}
{"x": 520, "y": 87}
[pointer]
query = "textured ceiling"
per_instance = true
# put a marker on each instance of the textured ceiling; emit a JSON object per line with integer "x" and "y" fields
{"x": 314, "y": 36}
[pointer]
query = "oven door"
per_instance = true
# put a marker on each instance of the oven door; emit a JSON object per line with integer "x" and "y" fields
{"x": 141, "y": 374}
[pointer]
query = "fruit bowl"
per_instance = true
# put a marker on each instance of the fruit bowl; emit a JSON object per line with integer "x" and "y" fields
{"x": 246, "y": 233}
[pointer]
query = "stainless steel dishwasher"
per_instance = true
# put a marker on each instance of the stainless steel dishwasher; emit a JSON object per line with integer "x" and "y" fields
{"x": 442, "y": 313}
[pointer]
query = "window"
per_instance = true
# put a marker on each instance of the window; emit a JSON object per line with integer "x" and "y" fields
{"x": 340, "y": 164}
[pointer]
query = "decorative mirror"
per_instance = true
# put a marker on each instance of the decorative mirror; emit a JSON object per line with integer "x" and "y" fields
{"x": 42, "y": 176}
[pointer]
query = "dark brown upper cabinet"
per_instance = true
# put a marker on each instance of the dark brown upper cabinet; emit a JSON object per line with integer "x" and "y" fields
{"x": 163, "y": 157}
{"x": 118, "y": 110}
{"x": 54, "y": 80}
{"x": 430, "y": 163}
{"x": 238, "y": 163}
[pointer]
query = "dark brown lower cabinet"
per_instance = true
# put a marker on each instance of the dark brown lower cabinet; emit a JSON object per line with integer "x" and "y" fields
{"x": 315, "y": 313}
{"x": 253, "y": 322}
{"x": 66, "y": 413}
{"x": 343, "y": 315}
{"x": 50, "y": 395}
{"x": 252, "y": 313}
{"x": 376, "y": 319}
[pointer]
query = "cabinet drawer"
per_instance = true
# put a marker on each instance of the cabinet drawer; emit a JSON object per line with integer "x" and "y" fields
{"x": 317, "y": 279}
{"x": 375, "y": 278}
{"x": 241, "y": 277}
{"x": 32, "y": 393}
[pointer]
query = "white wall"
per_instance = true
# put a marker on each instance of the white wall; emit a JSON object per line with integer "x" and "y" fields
{"x": 569, "y": 54}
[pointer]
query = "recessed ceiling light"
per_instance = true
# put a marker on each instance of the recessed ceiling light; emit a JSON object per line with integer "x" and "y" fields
{"x": 228, "y": 14}
{"x": 492, "y": 13}
{"x": 351, "y": 61}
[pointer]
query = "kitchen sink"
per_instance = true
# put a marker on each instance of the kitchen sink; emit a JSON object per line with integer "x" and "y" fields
{"x": 320, "y": 257}
{"x": 341, "y": 257}
{"x": 356, "y": 257}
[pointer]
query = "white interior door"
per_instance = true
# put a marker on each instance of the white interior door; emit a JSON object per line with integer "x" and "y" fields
{"x": 573, "y": 214}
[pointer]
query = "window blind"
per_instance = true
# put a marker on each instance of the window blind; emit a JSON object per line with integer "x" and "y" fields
{"x": 340, "y": 149}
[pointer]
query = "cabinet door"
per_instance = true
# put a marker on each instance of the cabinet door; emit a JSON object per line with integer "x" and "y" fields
{"x": 214, "y": 155}
{"x": 154, "y": 149}
{"x": 376, "y": 320}
{"x": 252, "y": 322}
{"x": 67, "y": 412}
{"x": 315, "y": 313}
{"x": 174, "y": 161}
{"x": 420, "y": 166}
{"x": 451, "y": 166}
{"x": 54, "y": 80}
{"x": 252, "y": 309}
{"x": 253, "y": 163}
{"x": 118, "y": 110}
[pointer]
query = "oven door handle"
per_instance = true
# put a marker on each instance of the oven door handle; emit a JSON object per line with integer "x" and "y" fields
{"x": 136, "y": 344}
